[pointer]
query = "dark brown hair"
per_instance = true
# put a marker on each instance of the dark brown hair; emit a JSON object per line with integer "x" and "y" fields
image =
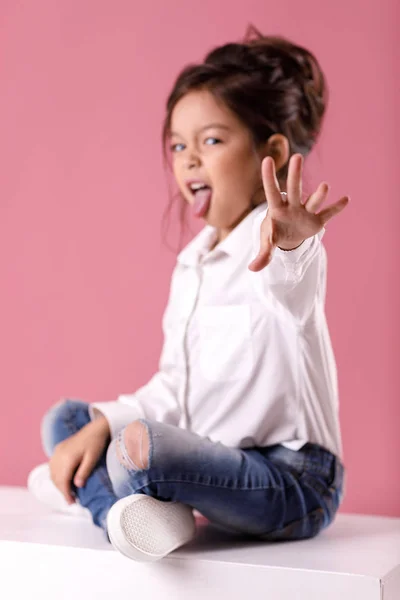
{"x": 269, "y": 83}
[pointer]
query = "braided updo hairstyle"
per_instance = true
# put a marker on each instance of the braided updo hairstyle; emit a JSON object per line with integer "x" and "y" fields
{"x": 269, "y": 83}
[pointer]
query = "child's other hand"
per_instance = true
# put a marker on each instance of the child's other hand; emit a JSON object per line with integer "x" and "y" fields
{"x": 75, "y": 457}
{"x": 289, "y": 221}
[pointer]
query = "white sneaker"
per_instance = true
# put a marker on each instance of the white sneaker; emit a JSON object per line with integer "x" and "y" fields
{"x": 146, "y": 529}
{"x": 42, "y": 487}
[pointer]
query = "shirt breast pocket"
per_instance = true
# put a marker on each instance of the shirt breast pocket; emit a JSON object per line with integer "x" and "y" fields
{"x": 226, "y": 352}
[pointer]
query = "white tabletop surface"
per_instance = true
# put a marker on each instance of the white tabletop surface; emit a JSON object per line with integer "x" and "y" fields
{"x": 353, "y": 544}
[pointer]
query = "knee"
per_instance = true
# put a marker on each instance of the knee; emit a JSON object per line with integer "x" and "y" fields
{"x": 136, "y": 440}
{"x": 53, "y": 421}
{"x": 48, "y": 425}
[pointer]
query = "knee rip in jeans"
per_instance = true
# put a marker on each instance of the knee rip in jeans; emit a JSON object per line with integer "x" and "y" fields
{"x": 134, "y": 439}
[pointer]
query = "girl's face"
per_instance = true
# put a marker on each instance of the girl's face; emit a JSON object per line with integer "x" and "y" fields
{"x": 211, "y": 147}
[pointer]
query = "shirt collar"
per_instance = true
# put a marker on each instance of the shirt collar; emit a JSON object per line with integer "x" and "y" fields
{"x": 232, "y": 245}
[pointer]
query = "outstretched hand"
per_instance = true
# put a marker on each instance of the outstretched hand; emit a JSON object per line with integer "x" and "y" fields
{"x": 289, "y": 221}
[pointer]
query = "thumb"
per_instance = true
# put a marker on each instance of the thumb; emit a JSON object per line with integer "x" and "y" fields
{"x": 264, "y": 255}
{"x": 84, "y": 470}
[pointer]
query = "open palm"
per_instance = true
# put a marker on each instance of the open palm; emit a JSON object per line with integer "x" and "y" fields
{"x": 289, "y": 221}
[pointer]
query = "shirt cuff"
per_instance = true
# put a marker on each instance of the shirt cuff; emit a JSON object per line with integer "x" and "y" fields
{"x": 294, "y": 260}
{"x": 118, "y": 414}
{"x": 293, "y": 256}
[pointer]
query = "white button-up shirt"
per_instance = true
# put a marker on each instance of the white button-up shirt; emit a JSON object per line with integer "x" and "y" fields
{"x": 247, "y": 358}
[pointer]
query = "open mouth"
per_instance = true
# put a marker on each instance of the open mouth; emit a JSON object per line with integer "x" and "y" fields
{"x": 198, "y": 188}
{"x": 202, "y": 194}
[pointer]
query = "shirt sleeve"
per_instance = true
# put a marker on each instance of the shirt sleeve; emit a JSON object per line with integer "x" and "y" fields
{"x": 294, "y": 279}
{"x": 158, "y": 399}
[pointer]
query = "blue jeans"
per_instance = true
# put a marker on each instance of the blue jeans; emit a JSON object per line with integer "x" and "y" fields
{"x": 273, "y": 493}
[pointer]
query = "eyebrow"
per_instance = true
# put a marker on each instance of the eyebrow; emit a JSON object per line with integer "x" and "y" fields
{"x": 210, "y": 126}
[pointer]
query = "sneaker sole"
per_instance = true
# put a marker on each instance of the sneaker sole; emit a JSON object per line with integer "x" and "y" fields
{"x": 145, "y": 529}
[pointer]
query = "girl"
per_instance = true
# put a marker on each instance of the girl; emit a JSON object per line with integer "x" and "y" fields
{"x": 241, "y": 420}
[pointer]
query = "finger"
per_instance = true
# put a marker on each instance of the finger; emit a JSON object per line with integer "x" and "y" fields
{"x": 270, "y": 183}
{"x": 61, "y": 474}
{"x": 294, "y": 180}
{"x": 264, "y": 255}
{"x": 262, "y": 260}
{"x": 84, "y": 470}
{"x": 63, "y": 483}
{"x": 315, "y": 201}
{"x": 333, "y": 210}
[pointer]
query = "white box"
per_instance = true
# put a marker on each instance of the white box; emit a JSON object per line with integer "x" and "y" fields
{"x": 49, "y": 556}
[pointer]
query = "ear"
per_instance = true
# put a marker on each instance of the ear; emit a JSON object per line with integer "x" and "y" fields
{"x": 278, "y": 147}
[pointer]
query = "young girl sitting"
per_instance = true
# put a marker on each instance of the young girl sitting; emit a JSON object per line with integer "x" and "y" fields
{"x": 241, "y": 420}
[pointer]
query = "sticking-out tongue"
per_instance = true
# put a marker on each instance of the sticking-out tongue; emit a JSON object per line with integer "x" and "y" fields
{"x": 202, "y": 202}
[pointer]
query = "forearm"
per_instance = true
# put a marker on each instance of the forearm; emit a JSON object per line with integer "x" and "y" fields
{"x": 99, "y": 425}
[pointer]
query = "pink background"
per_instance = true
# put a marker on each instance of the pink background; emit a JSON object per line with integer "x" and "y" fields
{"x": 84, "y": 271}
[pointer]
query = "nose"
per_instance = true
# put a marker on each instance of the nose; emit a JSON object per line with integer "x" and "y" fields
{"x": 192, "y": 161}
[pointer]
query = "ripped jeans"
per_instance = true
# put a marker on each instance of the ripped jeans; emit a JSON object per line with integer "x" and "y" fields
{"x": 273, "y": 493}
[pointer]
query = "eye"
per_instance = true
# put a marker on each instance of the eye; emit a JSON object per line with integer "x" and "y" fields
{"x": 177, "y": 147}
{"x": 211, "y": 141}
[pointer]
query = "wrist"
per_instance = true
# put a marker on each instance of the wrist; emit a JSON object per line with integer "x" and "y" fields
{"x": 101, "y": 425}
{"x": 290, "y": 246}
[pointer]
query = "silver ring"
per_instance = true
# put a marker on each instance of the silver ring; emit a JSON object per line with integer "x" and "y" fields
{"x": 283, "y": 194}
